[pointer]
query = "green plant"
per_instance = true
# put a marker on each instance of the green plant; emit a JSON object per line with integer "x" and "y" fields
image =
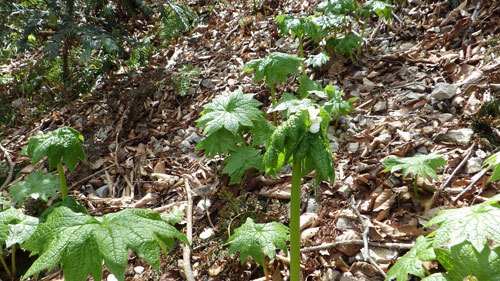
{"x": 37, "y": 185}
{"x": 227, "y": 119}
{"x": 182, "y": 79}
{"x": 258, "y": 240}
{"x": 274, "y": 68}
{"x": 61, "y": 145}
{"x": 15, "y": 228}
{"x": 81, "y": 243}
{"x": 460, "y": 245}
{"x": 493, "y": 162}
{"x": 422, "y": 165}
{"x": 335, "y": 105}
{"x": 302, "y": 141}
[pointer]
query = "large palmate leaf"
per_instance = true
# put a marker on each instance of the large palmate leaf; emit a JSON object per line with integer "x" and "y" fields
{"x": 381, "y": 8}
{"x": 318, "y": 60}
{"x": 241, "y": 159}
{"x": 290, "y": 104}
{"x": 218, "y": 143}
{"x": 337, "y": 6}
{"x": 347, "y": 45}
{"x": 300, "y": 27}
{"x": 275, "y": 67}
{"x": 229, "y": 111}
{"x": 331, "y": 21}
{"x": 464, "y": 262}
{"x": 37, "y": 185}
{"x": 307, "y": 85}
{"x": 422, "y": 165}
{"x": 258, "y": 239}
{"x": 261, "y": 131}
{"x": 62, "y": 144}
{"x": 81, "y": 243}
{"x": 411, "y": 262}
{"x": 16, "y": 227}
{"x": 476, "y": 224}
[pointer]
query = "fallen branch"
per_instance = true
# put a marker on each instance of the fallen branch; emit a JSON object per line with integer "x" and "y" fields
{"x": 11, "y": 167}
{"x": 366, "y": 232}
{"x": 475, "y": 179}
{"x": 325, "y": 246}
{"x": 186, "y": 251}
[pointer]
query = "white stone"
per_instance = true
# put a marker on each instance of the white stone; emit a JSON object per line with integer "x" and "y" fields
{"x": 460, "y": 136}
{"x": 380, "y": 106}
{"x": 139, "y": 269}
{"x": 203, "y": 205}
{"x": 345, "y": 223}
{"x": 474, "y": 165}
{"x": 111, "y": 277}
{"x": 307, "y": 219}
{"x": 331, "y": 275}
{"x": 206, "y": 233}
{"x": 396, "y": 125}
{"x": 444, "y": 91}
{"x": 352, "y": 147}
{"x": 345, "y": 191}
{"x": 445, "y": 117}
{"x": 309, "y": 233}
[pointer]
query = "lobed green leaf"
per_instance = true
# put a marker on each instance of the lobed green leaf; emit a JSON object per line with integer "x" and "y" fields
{"x": 37, "y": 185}
{"x": 275, "y": 67}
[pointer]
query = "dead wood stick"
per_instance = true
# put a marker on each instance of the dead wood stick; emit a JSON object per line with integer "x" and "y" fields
{"x": 91, "y": 176}
{"x": 396, "y": 246}
{"x": 475, "y": 179}
{"x": 186, "y": 251}
{"x": 366, "y": 232}
{"x": 11, "y": 167}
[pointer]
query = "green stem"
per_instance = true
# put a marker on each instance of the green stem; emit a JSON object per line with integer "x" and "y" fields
{"x": 273, "y": 101}
{"x": 301, "y": 49}
{"x": 295, "y": 221}
{"x": 62, "y": 180}
{"x": 363, "y": 34}
{"x": 266, "y": 272}
{"x": 13, "y": 261}
{"x": 4, "y": 264}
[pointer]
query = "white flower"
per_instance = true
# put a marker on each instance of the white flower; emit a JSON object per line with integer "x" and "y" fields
{"x": 315, "y": 119}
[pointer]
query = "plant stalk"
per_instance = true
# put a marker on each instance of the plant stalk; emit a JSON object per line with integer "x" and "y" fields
{"x": 62, "y": 180}
{"x": 295, "y": 221}
{"x": 13, "y": 261}
{"x": 301, "y": 49}
{"x": 266, "y": 272}
{"x": 273, "y": 101}
{"x": 4, "y": 264}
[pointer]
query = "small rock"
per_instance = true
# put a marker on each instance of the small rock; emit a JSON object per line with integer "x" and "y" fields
{"x": 111, "y": 277}
{"x": 383, "y": 138}
{"x": 414, "y": 96}
{"x": 404, "y": 136}
{"x": 334, "y": 146}
{"x": 331, "y": 275}
{"x": 474, "y": 165}
{"x": 352, "y": 147}
{"x": 309, "y": 233}
{"x": 417, "y": 87}
{"x": 139, "y": 269}
{"x": 207, "y": 83}
{"x": 203, "y": 205}
{"x": 481, "y": 154}
{"x": 444, "y": 91}
{"x": 185, "y": 146}
{"x": 102, "y": 191}
{"x": 380, "y": 106}
{"x": 345, "y": 191}
{"x": 347, "y": 276}
{"x": 396, "y": 125}
{"x": 193, "y": 138}
{"x": 445, "y": 117}
{"x": 307, "y": 219}
{"x": 206, "y": 233}
{"x": 312, "y": 205}
{"x": 460, "y": 136}
{"x": 345, "y": 223}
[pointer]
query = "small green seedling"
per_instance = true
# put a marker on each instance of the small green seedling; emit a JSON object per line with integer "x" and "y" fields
{"x": 493, "y": 162}
{"x": 302, "y": 141}
{"x": 465, "y": 234}
{"x": 61, "y": 145}
{"x": 259, "y": 240}
{"x": 15, "y": 228}
{"x": 227, "y": 119}
{"x": 275, "y": 69}
{"x": 82, "y": 243}
{"x": 422, "y": 165}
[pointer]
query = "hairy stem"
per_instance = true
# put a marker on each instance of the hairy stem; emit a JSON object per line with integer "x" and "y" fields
{"x": 295, "y": 221}
{"x": 273, "y": 101}
{"x": 62, "y": 180}
{"x": 4, "y": 264}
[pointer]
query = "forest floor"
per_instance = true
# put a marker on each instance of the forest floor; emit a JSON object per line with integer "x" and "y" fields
{"x": 424, "y": 85}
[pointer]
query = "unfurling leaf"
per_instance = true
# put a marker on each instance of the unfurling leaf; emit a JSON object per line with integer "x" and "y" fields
{"x": 258, "y": 239}
{"x": 63, "y": 144}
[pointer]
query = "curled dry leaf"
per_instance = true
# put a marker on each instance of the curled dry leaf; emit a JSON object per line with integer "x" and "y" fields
{"x": 384, "y": 200}
{"x": 349, "y": 250}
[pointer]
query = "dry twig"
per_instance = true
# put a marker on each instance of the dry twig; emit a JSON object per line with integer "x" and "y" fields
{"x": 366, "y": 232}
{"x": 11, "y": 167}
{"x": 186, "y": 251}
{"x": 397, "y": 246}
{"x": 475, "y": 179}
